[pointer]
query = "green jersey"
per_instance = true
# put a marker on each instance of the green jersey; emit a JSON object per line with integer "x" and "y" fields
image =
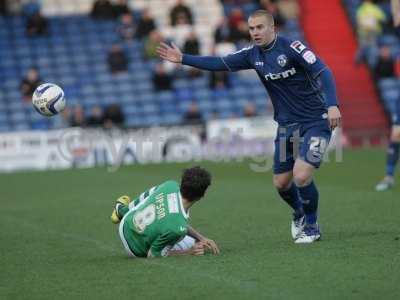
{"x": 156, "y": 221}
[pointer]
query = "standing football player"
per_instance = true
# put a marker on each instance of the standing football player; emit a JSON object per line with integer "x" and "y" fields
{"x": 292, "y": 74}
{"x": 156, "y": 223}
{"x": 393, "y": 152}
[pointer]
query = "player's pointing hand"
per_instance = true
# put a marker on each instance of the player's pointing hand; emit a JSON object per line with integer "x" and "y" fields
{"x": 334, "y": 117}
{"x": 170, "y": 53}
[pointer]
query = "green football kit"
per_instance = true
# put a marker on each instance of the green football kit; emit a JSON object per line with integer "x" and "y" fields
{"x": 155, "y": 221}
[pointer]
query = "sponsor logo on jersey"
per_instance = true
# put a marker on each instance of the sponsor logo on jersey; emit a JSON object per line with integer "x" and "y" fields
{"x": 173, "y": 203}
{"x": 282, "y": 60}
{"x": 309, "y": 57}
{"x": 284, "y": 74}
{"x": 297, "y": 46}
{"x": 259, "y": 63}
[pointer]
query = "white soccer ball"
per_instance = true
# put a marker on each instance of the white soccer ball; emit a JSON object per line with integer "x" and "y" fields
{"x": 48, "y": 99}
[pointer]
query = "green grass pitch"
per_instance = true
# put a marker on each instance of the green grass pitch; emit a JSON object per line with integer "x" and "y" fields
{"x": 57, "y": 241}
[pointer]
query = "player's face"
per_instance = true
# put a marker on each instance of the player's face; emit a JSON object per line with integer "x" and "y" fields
{"x": 260, "y": 30}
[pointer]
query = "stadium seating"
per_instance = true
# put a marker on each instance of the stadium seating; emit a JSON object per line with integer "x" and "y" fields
{"x": 74, "y": 55}
{"x": 389, "y": 88}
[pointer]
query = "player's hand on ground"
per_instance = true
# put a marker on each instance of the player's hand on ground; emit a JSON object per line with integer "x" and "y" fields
{"x": 210, "y": 245}
{"x": 198, "y": 249}
{"x": 170, "y": 53}
{"x": 334, "y": 117}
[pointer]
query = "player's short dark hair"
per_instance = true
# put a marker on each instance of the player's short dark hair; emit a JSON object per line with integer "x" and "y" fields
{"x": 194, "y": 183}
{"x": 263, "y": 13}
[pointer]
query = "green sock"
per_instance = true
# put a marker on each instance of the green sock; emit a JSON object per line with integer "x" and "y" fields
{"x": 122, "y": 210}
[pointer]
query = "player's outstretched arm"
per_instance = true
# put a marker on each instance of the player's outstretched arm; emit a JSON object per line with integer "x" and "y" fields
{"x": 170, "y": 53}
{"x": 209, "y": 243}
{"x": 173, "y": 54}
{"x": 197, "y": 250}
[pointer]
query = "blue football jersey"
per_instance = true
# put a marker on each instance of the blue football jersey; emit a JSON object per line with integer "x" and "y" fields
{"x": 289, "y": 72}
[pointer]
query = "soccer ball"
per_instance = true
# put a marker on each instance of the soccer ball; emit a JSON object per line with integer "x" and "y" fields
{"x": 48, "y": 99}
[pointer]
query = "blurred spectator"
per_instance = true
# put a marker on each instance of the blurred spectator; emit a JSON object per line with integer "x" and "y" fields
{"x": 29, "y": 83}
{"x": 224, "y": 48}
{"x": 193, "y": 115}
{"x": 395, "y": 5}
{"x": 385, "y": 65}
{"x": 249, "y": 110}
{"x": 121, "y": 8}
{"x": 146, "y": 24}
{"x": 180, "y": 14}
{"x": 191, "y": 45}
{"x": 117, "y": 60}
{"x": 223, "y": 32}
{"x": 219, "y": 80}
{"x": 102, "y": 10}
{"x": 96, "y": 117}
{"x": 30, "y": 8}
{"x": 151, "y": 44}
{"x": 127, "y": 28}
{"x": 238, "y": 26}
{"x": 241, "y": 35}
{"x": 236, "y": 17}
{"x": 272, "y": 8}
{"x": 370, "y": 18}
{"x": 36, "y": 25}
{"x": 3, "y": 8}
{"x": 113, "y": 117}
{"x": 78, "y": 117}
{"x": 289, "y": 9}
{"x": 162, "y": 80}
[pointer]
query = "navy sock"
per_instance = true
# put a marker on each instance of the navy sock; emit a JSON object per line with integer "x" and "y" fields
{"x": 291, "y": 196}
{"x": 309, "y": 195}
{"x": 392, "y": 158}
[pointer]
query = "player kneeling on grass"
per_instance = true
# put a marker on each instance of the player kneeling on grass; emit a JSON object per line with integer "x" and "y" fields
{"x": 156, "y": 223}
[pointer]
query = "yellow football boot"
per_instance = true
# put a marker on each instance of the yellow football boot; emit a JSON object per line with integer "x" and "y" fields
{"x": 124, "y": 200}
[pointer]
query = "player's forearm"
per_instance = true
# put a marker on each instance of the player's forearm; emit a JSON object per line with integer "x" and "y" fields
{"x": 195, "y": 234}
{"x": 210, "y": 63}
{"x": 329, "y": 87}
{"x": 180, "y": 252}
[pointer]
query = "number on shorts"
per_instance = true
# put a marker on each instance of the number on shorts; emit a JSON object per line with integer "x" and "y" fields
{"x": 318, "y": 145}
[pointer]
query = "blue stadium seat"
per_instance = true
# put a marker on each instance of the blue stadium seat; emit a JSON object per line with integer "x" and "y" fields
{"x": 4, "y": 127}
{"x": 388, "y": 84}
{"x": 75, "y": 56}
{"x": 165, "y": 97}
{"x": 3, "y": 117}
{"x": 388, "y": 40}
{"x": 168, "y": 108}
{"x": 203, "y": 94}
{"x": 206, "y": 105}
{"x": 133, "y": 121}
{"x": 171, "y": 119}
{"x": 390, "y": 98}
{"x": 130, "y": 109}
